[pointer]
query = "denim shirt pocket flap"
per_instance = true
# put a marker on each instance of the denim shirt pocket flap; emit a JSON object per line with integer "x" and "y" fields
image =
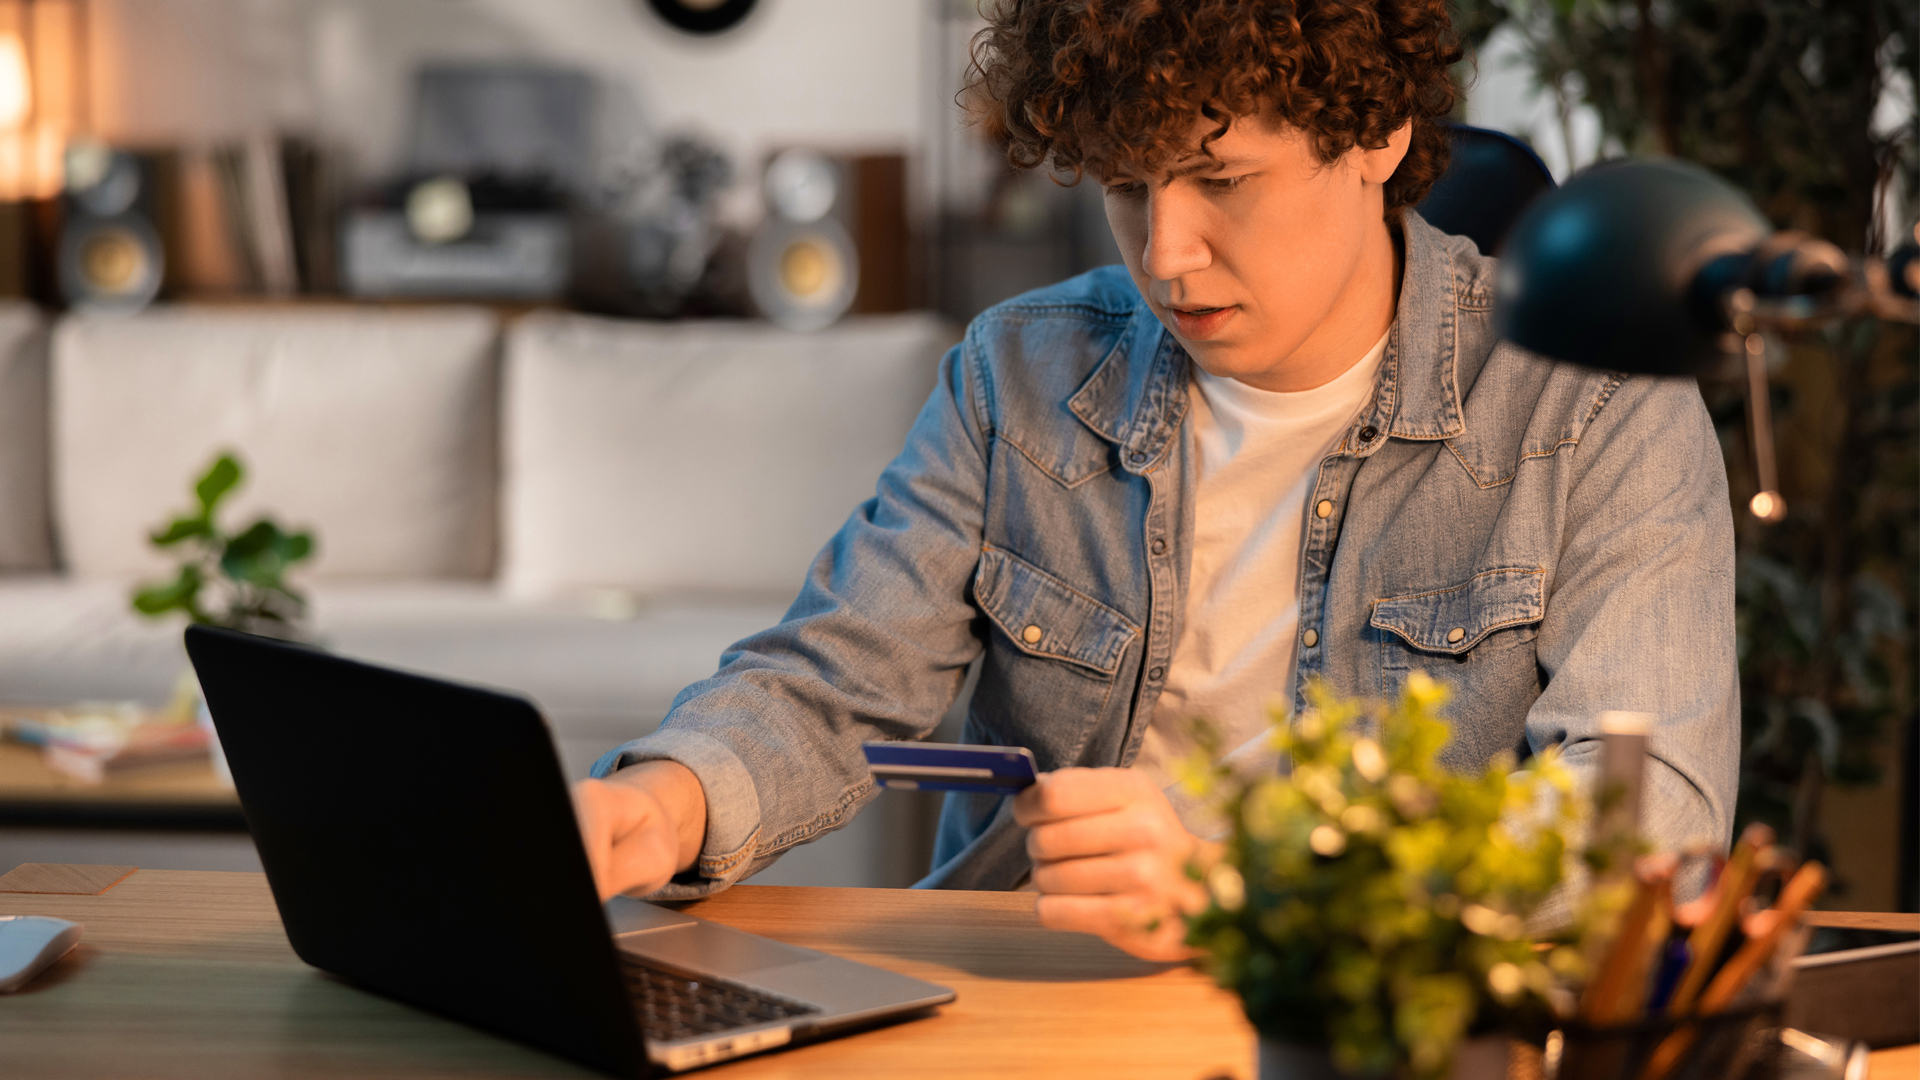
{"x": 1071, "y": 457}
{"x": 1456, "y": 619}
{"x": 1044, "y": 617}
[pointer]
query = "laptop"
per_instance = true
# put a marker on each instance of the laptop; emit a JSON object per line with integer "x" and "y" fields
{"x": 420, "y": 842}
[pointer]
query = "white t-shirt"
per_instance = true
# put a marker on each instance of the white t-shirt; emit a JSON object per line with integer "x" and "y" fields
{"x": 1258, "y": 457}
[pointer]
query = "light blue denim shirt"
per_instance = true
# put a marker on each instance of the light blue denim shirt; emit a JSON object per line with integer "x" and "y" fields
{"x": 1553, "y": 541}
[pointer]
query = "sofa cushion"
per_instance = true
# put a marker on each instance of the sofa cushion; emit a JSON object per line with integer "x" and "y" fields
{"x": 703, "y": 456}
{"x": 26, "y": 544}
{"x": 376, "y": 428}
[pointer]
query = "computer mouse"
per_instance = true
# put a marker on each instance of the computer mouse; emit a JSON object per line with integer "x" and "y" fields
{"x": 31, "y": 943}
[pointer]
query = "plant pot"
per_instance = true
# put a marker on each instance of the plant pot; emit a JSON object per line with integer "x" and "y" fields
{"x": 1735, "y": 1042}
{"x": 1476, "y": 1059}
{"x": 1292, "y": 1061}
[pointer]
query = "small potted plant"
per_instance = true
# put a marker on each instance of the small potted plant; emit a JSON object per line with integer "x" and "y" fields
{"x": 1370, "y": 908}
{"x": 231, "y": 579}
{"x": 245, "y": 570}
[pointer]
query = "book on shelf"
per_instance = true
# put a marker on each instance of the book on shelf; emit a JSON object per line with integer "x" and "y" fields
{"x": 258, "y": 217}
{"x": 206, "y": 256}
{"x": 310, "y": 214}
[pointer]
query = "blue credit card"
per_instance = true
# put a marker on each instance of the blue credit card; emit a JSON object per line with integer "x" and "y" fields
{"x": 919, "y": 766}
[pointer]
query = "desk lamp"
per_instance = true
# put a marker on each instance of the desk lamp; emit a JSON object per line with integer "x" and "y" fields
{"x": 1658, "y": 267}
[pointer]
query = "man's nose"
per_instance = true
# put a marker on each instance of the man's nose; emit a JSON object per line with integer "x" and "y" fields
{"x": 1176, "y": 241}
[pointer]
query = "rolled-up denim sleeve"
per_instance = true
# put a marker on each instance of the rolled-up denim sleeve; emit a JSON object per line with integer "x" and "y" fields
{"x": 876, "y": 646}
{"x": 1641, "y": 615}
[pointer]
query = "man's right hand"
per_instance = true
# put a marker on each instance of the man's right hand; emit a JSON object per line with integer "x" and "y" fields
{"x": 641, "y": 825}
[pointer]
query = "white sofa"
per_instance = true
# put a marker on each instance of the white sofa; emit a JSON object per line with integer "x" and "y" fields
{"x": 582, "y": 510}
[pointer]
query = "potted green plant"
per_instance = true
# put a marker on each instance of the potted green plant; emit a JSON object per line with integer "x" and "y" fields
{"x": 1370, "y": 908}
{"x": 231, "y": 579}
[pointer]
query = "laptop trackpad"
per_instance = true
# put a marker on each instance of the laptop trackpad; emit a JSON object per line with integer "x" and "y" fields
{"x": 626, "y": 915}
{"x": 719, "y": 950}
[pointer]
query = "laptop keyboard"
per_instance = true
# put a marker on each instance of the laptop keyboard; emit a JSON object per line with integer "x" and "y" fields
{"x": 674, "y": 1007}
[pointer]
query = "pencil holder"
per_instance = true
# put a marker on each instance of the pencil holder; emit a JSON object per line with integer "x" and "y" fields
{"x": 1736, "y": 1044}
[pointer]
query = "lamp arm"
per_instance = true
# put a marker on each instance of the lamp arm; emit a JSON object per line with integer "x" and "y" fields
{"x": 1793, "y": 281}
{"x": 1658, "y": 267}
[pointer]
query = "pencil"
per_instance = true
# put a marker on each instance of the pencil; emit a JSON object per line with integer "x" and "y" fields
{"x": 1806, "y": 886}
{"x": 1619, "y": 987}
{"x": 1800, "y": 893}
{"x": 1737, "y": 880}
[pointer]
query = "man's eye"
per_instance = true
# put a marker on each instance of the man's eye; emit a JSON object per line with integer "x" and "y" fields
{"x": 1124, "y": 190}
{"x": 1224, "y": 183}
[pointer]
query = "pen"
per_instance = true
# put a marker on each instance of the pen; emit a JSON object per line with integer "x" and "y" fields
{"x": 1673, "y": 961}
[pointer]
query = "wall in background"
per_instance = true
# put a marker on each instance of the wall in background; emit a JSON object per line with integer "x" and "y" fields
{"x": 845, "y": 74}
{"x": 1504, "y": 96}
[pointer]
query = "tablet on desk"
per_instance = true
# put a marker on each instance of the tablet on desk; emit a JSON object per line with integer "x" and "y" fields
{"x": 1858, "y": 984}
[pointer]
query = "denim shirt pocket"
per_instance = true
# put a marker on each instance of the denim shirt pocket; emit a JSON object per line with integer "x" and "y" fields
{"x": 1480, "y": 637}
{"x": 1451, "y": 621}
{"x": 1043, "y": 617}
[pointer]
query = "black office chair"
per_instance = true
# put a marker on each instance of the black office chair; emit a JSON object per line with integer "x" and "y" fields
{"x": 1491, "y": 179}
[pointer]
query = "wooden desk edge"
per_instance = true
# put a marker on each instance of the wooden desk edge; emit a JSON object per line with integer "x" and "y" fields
{"x": 1898, "y": 921}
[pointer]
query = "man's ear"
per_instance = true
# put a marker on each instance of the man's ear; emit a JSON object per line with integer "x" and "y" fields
{"x": 1376, "y": 166}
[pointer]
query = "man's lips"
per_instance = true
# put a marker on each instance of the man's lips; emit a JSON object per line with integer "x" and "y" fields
{"x": 1198, "y": 323}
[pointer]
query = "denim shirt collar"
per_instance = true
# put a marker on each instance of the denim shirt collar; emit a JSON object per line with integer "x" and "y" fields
{"x": 1137, "y": 397}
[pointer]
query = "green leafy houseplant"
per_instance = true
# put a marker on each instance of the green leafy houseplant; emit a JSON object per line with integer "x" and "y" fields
{"x": 245, "y": 569}
{"x": 1376, "y": 904}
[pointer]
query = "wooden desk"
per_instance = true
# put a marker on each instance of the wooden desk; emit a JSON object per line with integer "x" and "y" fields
{"x": 172, "y": 795}
{"x": 188, "y": 974}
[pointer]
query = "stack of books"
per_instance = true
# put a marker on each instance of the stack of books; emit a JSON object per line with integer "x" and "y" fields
{"x": 94, "y": 741}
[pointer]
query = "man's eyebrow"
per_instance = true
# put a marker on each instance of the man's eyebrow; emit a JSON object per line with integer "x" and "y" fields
{"x": 1207, "y": 164}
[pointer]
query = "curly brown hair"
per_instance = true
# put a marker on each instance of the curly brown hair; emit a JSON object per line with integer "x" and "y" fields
{"x": 1117, "y": 87}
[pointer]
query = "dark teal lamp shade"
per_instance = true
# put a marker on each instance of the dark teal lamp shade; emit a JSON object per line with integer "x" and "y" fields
{"x": 1618, "y": 268}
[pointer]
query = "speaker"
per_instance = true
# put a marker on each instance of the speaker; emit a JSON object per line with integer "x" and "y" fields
{"x": 834, "y": 240}
{"x": 801, "y": 266}
{"x": 110, "y": 257}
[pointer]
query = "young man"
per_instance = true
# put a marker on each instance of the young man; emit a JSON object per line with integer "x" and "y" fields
{"x": 1282, "y": 442}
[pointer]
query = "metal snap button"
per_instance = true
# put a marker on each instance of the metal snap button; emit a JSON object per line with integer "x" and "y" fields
{"x": 1324, "y": 509}
{"x": 1454, "y": 635}
{"x": 1156, "y": 674}
{"x": 1031, "y": 635}
{"x": 1310, "y": 638}
{"x": 1136, "y": 457}
{"x": 1159, "y": 547}
{"x": 1369, "y": 433}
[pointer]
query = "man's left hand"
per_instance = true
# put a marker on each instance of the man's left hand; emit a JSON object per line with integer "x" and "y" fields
{"x": 1110, "y": 858}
